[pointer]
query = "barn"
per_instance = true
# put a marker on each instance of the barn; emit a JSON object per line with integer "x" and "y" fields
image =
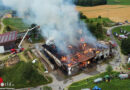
{"x": 8, "y": 41}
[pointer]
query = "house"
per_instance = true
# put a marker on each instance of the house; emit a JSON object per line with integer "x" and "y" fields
{"x": 9, "y": 15}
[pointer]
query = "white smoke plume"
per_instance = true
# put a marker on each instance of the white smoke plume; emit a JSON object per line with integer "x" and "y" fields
{"x": 58, "y": 19}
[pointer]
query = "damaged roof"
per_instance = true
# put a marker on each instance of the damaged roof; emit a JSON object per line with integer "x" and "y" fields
{"x": 8, "y": 37}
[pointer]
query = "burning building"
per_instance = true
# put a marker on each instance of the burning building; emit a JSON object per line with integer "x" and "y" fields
{"x": 79, "y": 57}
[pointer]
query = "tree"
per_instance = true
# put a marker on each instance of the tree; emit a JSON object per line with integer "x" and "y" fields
{"x": 109, "y": 69}
{"x": 125, "y": 46}
{"x": 8, "y": 28}
{"x": 35, "y": 31}
{"x": 82, "y": 16}
{"x": 99, "y": 17}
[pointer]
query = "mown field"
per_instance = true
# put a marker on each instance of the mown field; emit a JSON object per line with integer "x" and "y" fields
{"x": 114, "y": 84}
{"x": 117, "y": 13}
{"x": 117, "y": 30}
{"x": 118, "y": 2}
{"x": 15, "y": 24}
{"x": 23, "y": 75}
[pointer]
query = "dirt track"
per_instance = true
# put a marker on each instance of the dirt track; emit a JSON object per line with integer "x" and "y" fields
{"x": 117, "y": 13}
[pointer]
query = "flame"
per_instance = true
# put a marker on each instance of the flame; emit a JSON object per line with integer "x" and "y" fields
{"x": 85, "y": 52}
{"x": 78, "y": 55}
{"x": 97, "y": 52}
{"x": 83, "y": 64}
{"x": 88, "y": 62}
{"x": 84, "y": 46}
{"x": 90, "y": 50}
{"x": 63, "y": 58}
{"x": 70, "y": 64}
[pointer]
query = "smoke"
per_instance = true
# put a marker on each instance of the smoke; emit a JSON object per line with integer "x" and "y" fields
{"x": 58, "y": 19}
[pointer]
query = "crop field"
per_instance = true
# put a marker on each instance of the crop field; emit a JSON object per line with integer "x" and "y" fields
{"x": 117, "y": 13}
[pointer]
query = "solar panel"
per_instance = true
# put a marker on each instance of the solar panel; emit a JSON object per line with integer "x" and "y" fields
{"x": 7, "y": 37}
{"x": 2, "y": 39}
{"x": 10, "y": 35}
{"x": 13, "y": 35}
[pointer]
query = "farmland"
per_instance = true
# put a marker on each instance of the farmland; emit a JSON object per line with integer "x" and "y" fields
{"x": 117, "y": 13}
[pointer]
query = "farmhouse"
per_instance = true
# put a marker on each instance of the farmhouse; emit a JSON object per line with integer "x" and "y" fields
{"x": 79, "y": 58}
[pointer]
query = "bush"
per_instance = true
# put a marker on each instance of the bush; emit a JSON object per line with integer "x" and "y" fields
{"x": 47, "y": 88}
{"x": 125, "y": 46}
{"x": 99, "y": 17}
{"x": 109, "y": 69}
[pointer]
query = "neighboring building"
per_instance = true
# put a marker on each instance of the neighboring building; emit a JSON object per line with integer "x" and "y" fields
{"x": 7, "y": 41}
{"x": 9, "y": 15}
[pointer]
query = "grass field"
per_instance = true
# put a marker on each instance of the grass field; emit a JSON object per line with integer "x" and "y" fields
{"x": 15, "y": 24}
{"x": 117, "y": 13}
{"x": 101, "y": 20}
{"x": 119, "y": 2}
{"x": 117, "y": 30}
{"x": 23, "y": 75}
{"x": 127, "y": 28}
{"x": 115, "y": 84}
{"x": 106, "y": 22}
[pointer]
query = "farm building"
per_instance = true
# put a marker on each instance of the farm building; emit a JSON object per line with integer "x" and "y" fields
{"x": 79, "y": 58}
{"x": 7, "y": 41}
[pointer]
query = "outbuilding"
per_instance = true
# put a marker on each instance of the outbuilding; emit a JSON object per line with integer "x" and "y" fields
{"x": 8, "y": 41}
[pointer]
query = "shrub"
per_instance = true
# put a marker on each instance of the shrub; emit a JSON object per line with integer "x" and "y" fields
{"x": 109, "y": 69}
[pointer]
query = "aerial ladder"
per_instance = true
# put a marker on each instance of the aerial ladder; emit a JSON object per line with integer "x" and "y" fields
{"x": 20, "y": 49}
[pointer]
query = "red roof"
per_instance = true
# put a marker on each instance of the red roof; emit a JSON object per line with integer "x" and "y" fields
{"x": 8, "y": 37}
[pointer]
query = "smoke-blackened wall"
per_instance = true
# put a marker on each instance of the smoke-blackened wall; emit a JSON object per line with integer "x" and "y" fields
{"x": 58, "y": 19}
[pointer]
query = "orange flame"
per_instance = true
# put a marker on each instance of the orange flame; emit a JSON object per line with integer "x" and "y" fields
{"x": 63, "y": 58}
{"x": 70, "y": 64}
{"x": 97, "y": 52}
{"x": 85, "y": 52}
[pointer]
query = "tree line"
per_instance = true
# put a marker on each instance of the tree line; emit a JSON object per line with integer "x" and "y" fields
{"x": 96, "y": 28}
{"x": 90, "y": 2}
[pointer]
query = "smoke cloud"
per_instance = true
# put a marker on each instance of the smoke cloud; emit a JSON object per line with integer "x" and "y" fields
{"x": 58, "y": 19}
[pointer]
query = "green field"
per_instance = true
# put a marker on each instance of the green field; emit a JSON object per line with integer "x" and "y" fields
{"x": 127, "y": 28}
{"x": 117, "y": 30}
{"x": 104, "y": 21}
{"x": 114, "y": 84}
{"x": 118, "y": 2}
{"x": 23, "y": 75}
{"x": 101, "y": 20}
{"x": 15, "y": 24}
